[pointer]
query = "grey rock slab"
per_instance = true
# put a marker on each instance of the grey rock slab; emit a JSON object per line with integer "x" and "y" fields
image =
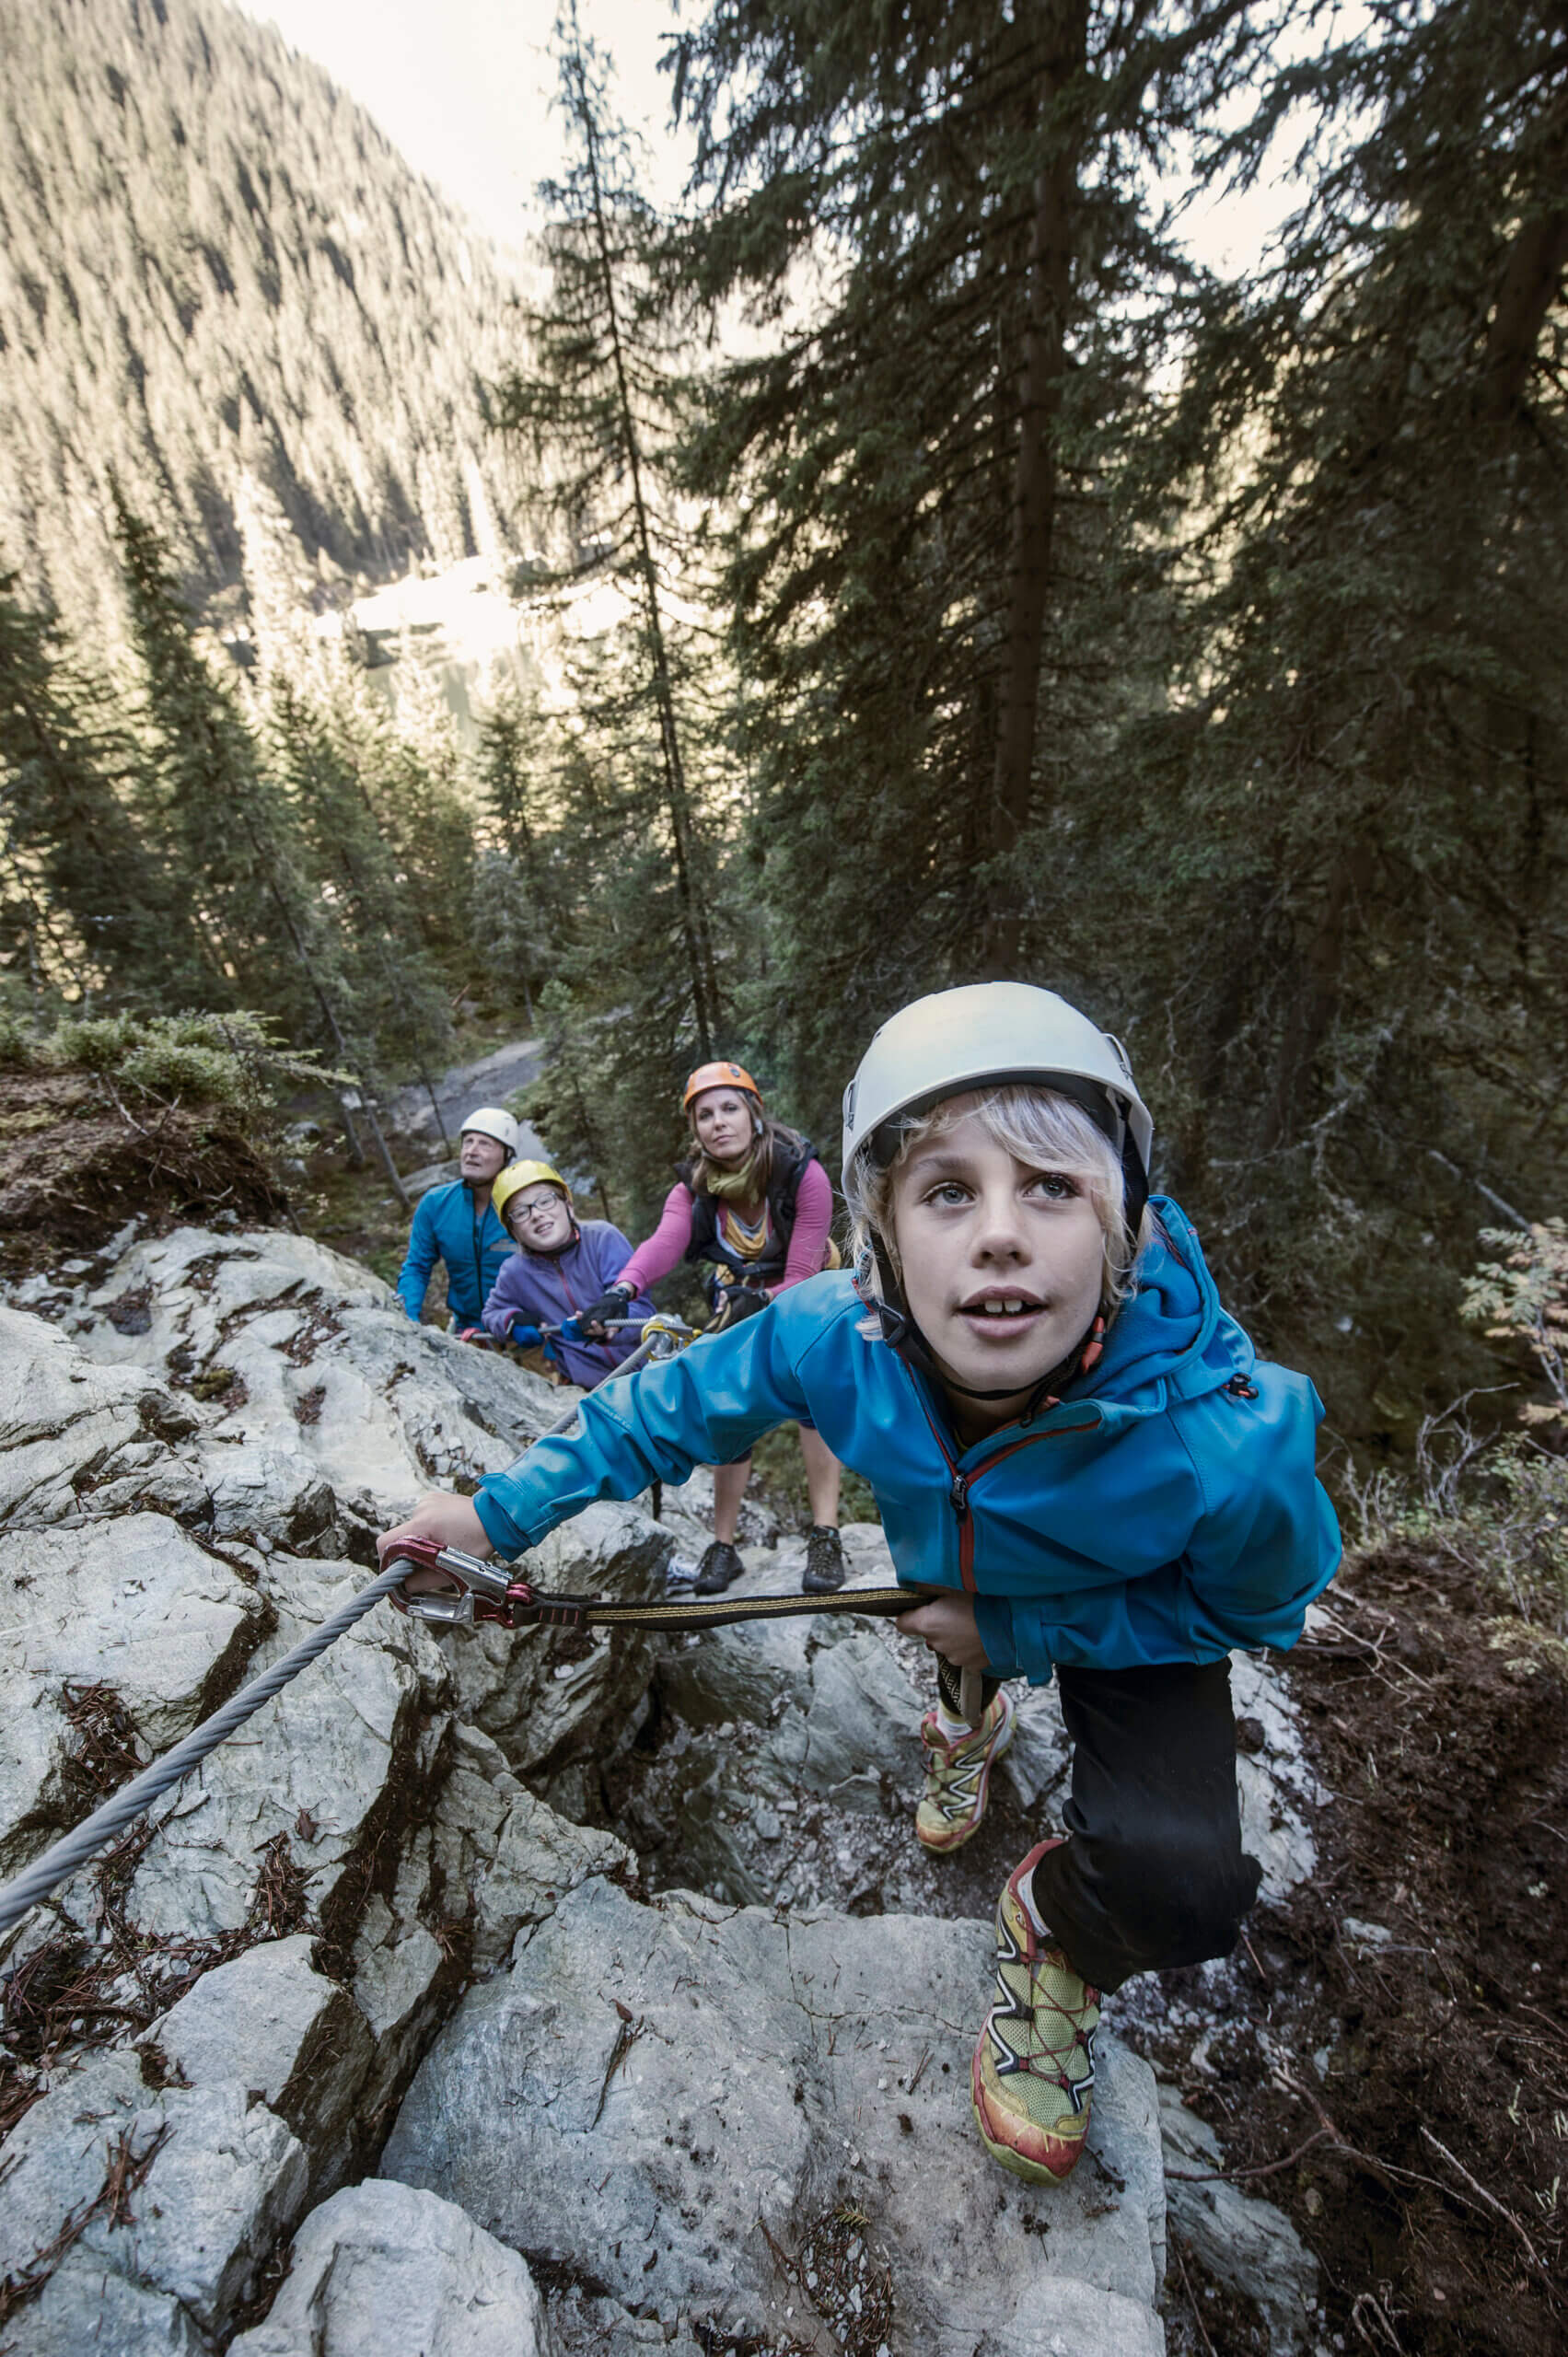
{"x": 270, "y": 2022}
{"x": 86, "y": 2308}
{"x": 1279, "y": 1791}
{"x": 134, "y": 1604}
{"x": 749, "y": 1671}
{"x": 338, "y": 1393}
{"x": 226, "y": 2179}
{"x": 650, "y": 2084}
{"x": 1037, "y": 1761}
{"x": 544, "y": 1701}
{"x": 738, "y": 1673}
{"x": 1243, "y": 2241}
{"x": 490, "y": 1081}
{"x": 395, "y": 1966}
{"x": 513, "y": 1855}
{"x": 324, "y": 1752}
{"x": 381, "y": 2270}
{"x": 62, "y": 1420}
{"x": 863, "y": 1711}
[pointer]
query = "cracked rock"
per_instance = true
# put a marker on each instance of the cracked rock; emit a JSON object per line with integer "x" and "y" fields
{"x": 381, "y": 2268}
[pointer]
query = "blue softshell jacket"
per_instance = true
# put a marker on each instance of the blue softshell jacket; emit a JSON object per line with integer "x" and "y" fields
{"x": 1166, "y": 1510}
{"x": 448, "y": 1228}
{"x": 546, "y": 1288}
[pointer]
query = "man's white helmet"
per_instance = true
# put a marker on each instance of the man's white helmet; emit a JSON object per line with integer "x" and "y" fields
{"x": 984, "y": 1035}
{"x": 495, "y": 1121}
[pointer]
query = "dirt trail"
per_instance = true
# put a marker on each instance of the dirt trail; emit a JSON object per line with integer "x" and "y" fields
{"x": 491, "y": 1079}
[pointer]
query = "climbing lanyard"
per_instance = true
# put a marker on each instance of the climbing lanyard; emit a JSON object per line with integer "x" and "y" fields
{"x": 496, "y": 1593}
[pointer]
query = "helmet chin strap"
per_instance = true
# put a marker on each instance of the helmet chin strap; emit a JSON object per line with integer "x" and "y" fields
{"x": 900, "y": 1332}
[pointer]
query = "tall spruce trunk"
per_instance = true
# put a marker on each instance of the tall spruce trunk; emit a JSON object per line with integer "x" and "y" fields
{"x": 701, "y": 974}
{"x": 1061, "y": 33}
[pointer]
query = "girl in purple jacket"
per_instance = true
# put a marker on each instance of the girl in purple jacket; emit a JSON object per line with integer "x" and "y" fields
{"x": 561, "y": 1265}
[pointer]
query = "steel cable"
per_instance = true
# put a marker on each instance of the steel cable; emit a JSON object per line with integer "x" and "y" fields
{"x": 124, "y": 1807}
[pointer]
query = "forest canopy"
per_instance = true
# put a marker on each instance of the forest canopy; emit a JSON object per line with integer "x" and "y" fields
{"x": 985, "y": 588}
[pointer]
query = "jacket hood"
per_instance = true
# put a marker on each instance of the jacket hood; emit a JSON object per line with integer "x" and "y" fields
{"x": 1172, "y": 1340}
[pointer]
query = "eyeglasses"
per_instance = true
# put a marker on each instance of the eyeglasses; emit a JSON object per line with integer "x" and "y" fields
{"x": 540, "y": 1204}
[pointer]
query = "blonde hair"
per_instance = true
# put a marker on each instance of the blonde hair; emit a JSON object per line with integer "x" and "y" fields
{"x": 1035, "y": 1125}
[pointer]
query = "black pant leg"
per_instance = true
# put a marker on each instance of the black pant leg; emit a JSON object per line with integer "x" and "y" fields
{"x": 1154, "y": 1873}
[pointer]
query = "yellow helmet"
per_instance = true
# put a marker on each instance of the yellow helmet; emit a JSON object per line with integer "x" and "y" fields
{"x": 518, "y": 1175}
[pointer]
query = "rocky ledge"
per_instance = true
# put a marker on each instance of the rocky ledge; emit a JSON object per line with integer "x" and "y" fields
{"x": 375, "y": 2035}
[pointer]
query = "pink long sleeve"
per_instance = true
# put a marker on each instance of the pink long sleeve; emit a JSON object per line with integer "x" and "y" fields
{"x": 813, "y": 1218}
{"x": 664, "y": 1249}
{"x": 667, "y": 1246}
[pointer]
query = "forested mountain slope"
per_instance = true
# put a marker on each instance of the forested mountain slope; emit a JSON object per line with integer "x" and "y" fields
{"x": 221, "y": 284}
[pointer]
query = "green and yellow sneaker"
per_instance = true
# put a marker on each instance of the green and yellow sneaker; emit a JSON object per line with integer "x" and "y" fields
{"x": 1034, "y": 2063}
{"x": 957, "y": 1774}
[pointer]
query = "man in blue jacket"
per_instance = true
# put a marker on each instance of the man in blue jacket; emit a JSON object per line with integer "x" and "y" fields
{"x": 458, "y": 1224}
{"x": 1071, "y": 1444}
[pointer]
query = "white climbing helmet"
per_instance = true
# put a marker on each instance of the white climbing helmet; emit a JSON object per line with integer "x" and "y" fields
{"x": 495, "y": 1121}
{"x": 985, "y": 1034}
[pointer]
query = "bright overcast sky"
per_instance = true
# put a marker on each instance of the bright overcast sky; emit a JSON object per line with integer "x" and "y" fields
{"x": 464, "y": 89}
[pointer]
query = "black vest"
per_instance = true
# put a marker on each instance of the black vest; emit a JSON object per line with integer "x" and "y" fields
{"x": 790, "y": 1158}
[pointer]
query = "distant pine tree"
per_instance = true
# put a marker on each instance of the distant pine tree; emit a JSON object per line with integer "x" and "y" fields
{"x": 596, "y": 400}
{"x": 100, "y": 901}
{"x": 231, "y": 835}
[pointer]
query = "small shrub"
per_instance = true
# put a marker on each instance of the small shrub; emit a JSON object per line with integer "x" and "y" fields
{"x": 232, "y": 1060}
{"x": 1497, "y": 1504}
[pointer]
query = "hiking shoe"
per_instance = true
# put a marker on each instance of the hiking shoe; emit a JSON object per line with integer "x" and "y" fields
{"x": 824, "y": 1562}
{"x": 719, "y": 1567}
{"x": 958, "y": 1773}
{"x": 1034, "y": 2063}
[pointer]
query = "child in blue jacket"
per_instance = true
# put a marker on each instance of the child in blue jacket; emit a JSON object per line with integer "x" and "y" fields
{"x": 1071, "y": 1443}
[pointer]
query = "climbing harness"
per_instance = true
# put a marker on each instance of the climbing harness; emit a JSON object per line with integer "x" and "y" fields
{"x": 488, "y": 1592}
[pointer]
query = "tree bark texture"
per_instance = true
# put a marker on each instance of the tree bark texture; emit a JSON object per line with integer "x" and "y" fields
{"x": 1061, "y": 33}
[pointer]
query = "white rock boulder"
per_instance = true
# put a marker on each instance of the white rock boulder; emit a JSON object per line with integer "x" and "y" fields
{"x": 380, "y": 2270}
{"x": 690, "y": 2093}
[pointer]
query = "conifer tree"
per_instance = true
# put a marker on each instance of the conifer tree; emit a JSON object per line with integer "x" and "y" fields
{"x": 515, "y": 893}
{"x": 399, "y": 1007}
{"x": 1352, "y": 811}
{"x": 229, "y": 834}
{"x": 923, "y": 460}
{"x": 94, "y": 891}
{"x": 596, "y": 407}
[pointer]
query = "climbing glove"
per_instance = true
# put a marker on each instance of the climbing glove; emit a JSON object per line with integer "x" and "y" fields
{"x": 611, "y": 1305}
{"x": 524, "y": 1337}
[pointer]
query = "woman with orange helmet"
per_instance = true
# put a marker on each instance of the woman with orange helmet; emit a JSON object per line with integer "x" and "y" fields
{"x": 752, "y": 1201}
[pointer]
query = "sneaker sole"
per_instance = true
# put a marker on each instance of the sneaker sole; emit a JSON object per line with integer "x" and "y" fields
{"x": 1016, "y": 2163}
{"x": 944, "y": 1844}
